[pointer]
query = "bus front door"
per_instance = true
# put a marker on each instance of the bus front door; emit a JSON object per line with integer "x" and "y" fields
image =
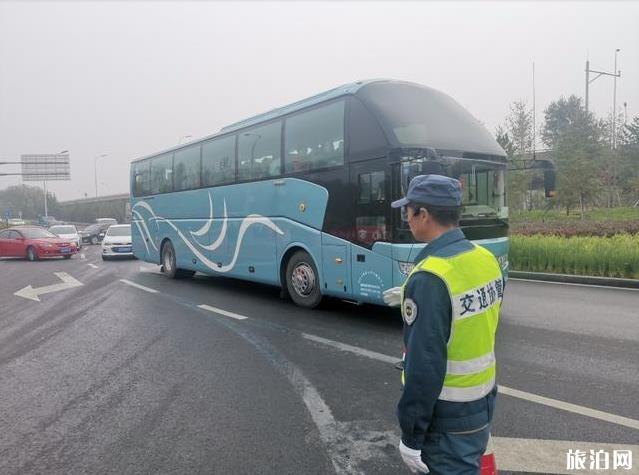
{"x": 371, "y": 272}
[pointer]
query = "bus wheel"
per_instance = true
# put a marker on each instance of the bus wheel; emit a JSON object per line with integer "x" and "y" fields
{"x": 302, "y": 280}
{"x": 169, "y": 263}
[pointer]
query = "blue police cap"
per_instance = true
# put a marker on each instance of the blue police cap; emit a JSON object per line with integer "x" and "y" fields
{"x": 434, "y": 190}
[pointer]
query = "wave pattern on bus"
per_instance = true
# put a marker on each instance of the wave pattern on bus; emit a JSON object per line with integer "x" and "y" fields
{"x": 246, "y": 223}
{"x": 207, "y": 226}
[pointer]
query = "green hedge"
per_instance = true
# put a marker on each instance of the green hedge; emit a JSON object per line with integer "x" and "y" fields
{"x": 616, "y": 256}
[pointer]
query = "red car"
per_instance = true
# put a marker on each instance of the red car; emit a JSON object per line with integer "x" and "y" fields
{"x": 34, "y": 243}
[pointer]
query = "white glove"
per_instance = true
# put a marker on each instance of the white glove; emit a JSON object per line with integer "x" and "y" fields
{"x": 393, "y": 297}
{"x": 413, "y": 459}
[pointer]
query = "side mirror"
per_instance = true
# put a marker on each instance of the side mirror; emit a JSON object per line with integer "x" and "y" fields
{"x": 549, "y": 183}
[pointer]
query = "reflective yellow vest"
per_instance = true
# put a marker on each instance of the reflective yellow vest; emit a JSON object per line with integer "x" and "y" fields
{"x": 475, "y": 287}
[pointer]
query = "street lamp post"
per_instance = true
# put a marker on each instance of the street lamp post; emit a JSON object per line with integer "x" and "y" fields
{"x": 614, "y": 104}
{"x": 95, "y": 171}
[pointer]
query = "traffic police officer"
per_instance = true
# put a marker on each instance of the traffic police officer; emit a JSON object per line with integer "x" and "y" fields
{"x": 450, "y": 305}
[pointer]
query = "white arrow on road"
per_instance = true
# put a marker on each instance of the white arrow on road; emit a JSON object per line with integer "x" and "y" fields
{"x": 30, "y": 293}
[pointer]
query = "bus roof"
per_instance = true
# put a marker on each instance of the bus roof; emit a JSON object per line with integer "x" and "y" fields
{"x": 343, "y": 90}
{"x": 480, "y": 139}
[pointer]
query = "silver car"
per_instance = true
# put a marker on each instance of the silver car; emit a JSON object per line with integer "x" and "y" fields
{"x": 67, "y": 231}
{"x": 117, "y": 242}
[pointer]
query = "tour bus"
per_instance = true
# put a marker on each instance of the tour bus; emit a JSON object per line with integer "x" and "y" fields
{"x": 299, "y": 197}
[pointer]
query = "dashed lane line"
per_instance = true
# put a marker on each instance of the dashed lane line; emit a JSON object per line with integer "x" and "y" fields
{"x": 226, "y": 313}
{"x": 545, "y": 401}
{"x": 93, "y": 266}
{"x": 353, "y": 349}
{"x": 542, "y": 400}
{"x": 569, "y": 407}
{"x": 138, "y": 286}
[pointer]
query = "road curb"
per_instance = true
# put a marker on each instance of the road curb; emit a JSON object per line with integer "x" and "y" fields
{"x": 576, "y": 279}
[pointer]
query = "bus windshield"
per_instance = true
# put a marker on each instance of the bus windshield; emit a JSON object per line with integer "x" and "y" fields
{"x": 482, "y": 182}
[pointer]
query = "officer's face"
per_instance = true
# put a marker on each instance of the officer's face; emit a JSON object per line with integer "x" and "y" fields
{"x": 422, "y": 225}
{"x": 416, "y": 221}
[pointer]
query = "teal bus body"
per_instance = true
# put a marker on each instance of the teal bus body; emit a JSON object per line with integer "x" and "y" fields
{"x": 267, "y": 207}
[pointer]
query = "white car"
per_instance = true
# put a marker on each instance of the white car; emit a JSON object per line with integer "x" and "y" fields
{"x": 117, "y": 242}
{"x": 67, "y": 231}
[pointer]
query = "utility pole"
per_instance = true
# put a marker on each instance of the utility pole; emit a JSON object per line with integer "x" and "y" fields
{"x": 589, "y": 81}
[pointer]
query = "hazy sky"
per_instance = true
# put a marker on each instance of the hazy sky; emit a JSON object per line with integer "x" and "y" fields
{"x": 131, "y": 78}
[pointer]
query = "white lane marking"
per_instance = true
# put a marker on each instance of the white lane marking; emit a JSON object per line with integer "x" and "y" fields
{"x": 138, "y": 286}
{"x": 93, "y": 266}
{"x": 569, "y": 407}
{"x": 609, "y": 287}
{"x": 226, "y": 313}
{"x": 150, "y": 268}
{"x": 545, "y": 401}
{"x": 83, "y": 256}
{"x": 31, "y": 293}
{"x": 353, "y": 349}
{"x": 547, "y": 456}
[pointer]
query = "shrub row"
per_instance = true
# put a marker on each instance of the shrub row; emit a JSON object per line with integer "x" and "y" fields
{"x": 575, "y": 228}
{"x": 615, "y": 256}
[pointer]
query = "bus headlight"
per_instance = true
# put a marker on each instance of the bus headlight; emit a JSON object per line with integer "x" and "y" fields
{"x": 406, "y": 267}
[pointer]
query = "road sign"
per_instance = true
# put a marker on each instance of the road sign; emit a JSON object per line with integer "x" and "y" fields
{"x": 46, "y": 167}
{"x": 7, "y": 213}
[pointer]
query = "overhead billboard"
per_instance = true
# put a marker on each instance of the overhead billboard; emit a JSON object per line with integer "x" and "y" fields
{"x": 46, "y": 167}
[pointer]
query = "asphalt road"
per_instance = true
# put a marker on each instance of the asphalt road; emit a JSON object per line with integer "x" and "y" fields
{"x": 134, "y": 376}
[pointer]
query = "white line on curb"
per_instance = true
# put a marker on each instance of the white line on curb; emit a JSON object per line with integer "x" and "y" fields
{"x": 138, "y": 286}
{"x": 609, "y": 287}
{"x": 545, "y": 401}
{"x": 222, "y": 312}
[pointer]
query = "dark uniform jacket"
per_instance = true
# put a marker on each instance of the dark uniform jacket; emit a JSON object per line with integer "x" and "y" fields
{"x": 425, "y": 341}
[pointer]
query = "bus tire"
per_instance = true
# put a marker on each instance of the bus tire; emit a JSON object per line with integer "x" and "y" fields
{"x": 302, "y": 280}
{"x": 169, "y": 265}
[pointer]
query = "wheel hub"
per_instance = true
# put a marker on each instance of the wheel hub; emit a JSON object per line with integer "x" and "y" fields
{"x": 303, "y": 279}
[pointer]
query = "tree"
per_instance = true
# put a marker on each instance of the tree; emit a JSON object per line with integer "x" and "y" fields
{"x": 503, "y": 139}
{"x": 520, "y": 127}
{"x": 582, "y": 156}
{"x": 630, "y": 133}
{"x": 568, "y": 116}
{"x": 519, "y": 138}
{"x": 578, "y": 177}
{"x": 27, "y": 201}
{"x": 629, "y": 161}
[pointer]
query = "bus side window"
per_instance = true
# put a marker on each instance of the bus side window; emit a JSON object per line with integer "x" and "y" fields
{"x": 141, "y": 178}
{"x": 162, "y": 174}
{"x": 315, "y": 138}
{"x": 259, "y": 152}
{"x": 186, "y": 168}
{"x": 218, "y": 161}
